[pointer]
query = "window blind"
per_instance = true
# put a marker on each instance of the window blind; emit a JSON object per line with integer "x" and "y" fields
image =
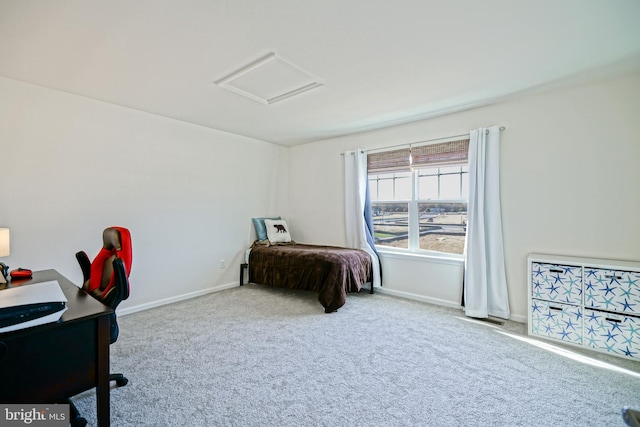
{"x": 389, "y": 161}
{"x": 449, "y": 153}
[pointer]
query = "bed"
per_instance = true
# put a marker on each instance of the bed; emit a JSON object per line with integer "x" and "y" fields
{"x": 331, "y": 271}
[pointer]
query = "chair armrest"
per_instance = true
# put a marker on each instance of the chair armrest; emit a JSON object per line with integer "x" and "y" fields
{"x": 120, "y": 289}
{"x": 85, "y": 266}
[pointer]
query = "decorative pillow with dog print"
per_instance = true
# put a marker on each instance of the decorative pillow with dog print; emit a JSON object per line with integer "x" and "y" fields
{"x": 261, "y": 231}
{"x": 277, "y": 231}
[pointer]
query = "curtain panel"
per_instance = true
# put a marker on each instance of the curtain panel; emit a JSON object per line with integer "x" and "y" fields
{"x": 485, "y": 284}
{"x": 358, "y": 209}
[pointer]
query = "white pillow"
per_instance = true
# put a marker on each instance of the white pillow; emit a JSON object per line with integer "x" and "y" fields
{"x": 277, "y": 231}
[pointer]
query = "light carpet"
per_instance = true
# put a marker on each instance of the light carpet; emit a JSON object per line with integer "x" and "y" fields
{"x": 257, "y": 356}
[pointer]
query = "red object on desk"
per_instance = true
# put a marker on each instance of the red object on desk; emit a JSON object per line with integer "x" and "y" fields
{"x": 21, "y": 273}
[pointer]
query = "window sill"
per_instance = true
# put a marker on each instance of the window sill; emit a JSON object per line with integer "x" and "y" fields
{"x": 451, "y": 259}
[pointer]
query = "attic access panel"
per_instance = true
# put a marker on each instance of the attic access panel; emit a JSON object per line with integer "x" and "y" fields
{"x": 269, "y": 79}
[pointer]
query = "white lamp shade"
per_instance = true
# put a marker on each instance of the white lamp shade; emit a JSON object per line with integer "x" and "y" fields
{"x": 4, "y": 242}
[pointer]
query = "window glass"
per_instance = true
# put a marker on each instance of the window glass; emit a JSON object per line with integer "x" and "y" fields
{"x": 450, "y": 186}
{"x": 390, "y": 186}
{"x": 385, "y": 189}
{"x": 450, "y": 169}
{"x": 465, "y": 186}
{"x": 443, "y": 226}
{"x": 403, "y": 186}
{"x": 428, "y": 187}
{"x": 391, "y": 224}
{"x": 435, "y": 219}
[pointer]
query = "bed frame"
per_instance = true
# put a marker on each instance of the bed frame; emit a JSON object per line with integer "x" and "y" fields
{"x": 331, "y": 271}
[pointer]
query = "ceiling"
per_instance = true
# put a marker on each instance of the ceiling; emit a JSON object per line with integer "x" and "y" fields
{"x": 376, "y": 63}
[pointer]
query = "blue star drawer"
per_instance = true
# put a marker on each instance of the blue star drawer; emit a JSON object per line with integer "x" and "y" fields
{"x": 587, "y": 302}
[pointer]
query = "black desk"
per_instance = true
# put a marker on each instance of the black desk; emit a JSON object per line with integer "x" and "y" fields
{"x": 52, "y": 362}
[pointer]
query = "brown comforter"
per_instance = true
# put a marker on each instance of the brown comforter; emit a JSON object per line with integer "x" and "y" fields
{"x": 331, "y": 271}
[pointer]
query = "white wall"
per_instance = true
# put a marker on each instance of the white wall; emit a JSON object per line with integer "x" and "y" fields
{"x": 72, "y": 166}
{"x": 570, "y": 170}
{"x": 569, "y": 180}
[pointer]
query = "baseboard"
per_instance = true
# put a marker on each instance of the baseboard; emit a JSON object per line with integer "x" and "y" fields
{"x": 382, "y": 290}
{"x": 437, "y": 301}
{"x": 158, "y": 303}
{"x": 519, "y": 318}
{"x": 416, "y": 297}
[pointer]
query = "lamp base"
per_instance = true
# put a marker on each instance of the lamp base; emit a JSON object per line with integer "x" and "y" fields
{"x": 4, "y": 272}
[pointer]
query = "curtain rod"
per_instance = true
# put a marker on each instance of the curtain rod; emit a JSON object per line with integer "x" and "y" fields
{"x": 425, "y": 141}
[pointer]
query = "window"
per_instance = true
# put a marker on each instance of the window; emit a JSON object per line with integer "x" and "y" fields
{"x": 419, "y": 197}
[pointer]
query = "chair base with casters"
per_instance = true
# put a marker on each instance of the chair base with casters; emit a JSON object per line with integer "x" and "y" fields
{"x": 107, "y": 280}
{"x": 631, "y": 416}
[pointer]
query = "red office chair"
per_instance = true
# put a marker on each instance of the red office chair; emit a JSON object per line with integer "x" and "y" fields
{"x": 107, "y": 280}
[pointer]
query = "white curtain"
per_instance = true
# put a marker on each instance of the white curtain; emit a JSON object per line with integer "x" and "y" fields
{"x": 485, "y": 284}
{"x": 355, "y": 170}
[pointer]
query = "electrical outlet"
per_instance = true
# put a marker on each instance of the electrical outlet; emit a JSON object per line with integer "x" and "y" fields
{"x": 223, "y": 263}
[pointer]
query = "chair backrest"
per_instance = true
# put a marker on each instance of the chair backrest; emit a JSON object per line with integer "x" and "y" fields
{"x": 108, "y": 273}
{"x": 107, "y": 277}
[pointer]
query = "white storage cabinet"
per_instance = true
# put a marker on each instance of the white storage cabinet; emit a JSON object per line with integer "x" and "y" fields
{"x": 593, "y": 303}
